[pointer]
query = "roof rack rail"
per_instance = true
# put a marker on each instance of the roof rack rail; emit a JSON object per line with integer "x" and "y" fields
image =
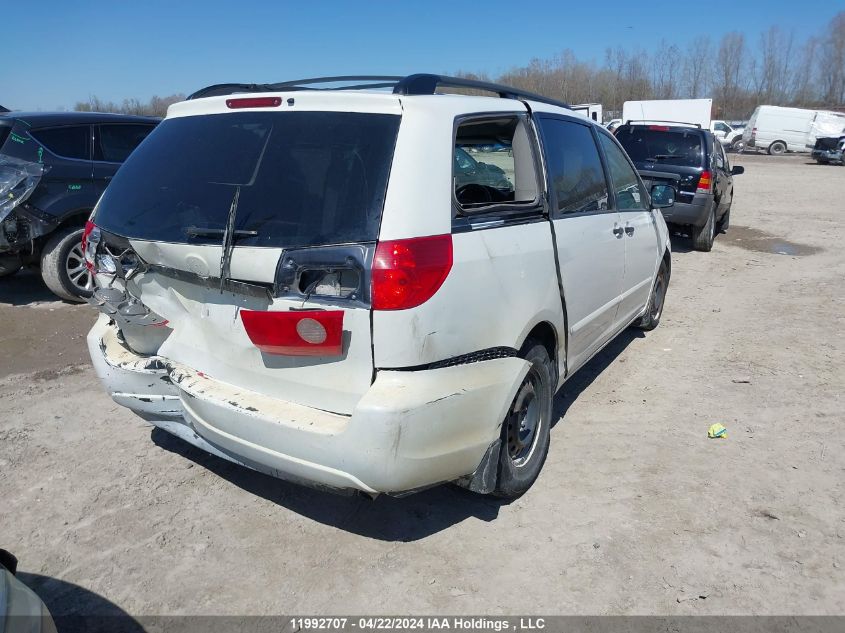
{"x": 629, "y": 121}
{"x": 418, "y": 84}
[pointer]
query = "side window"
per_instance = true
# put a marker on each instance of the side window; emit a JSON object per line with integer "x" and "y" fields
{"x": 721, "y": 127}
{"x": 626, "y": 185}
{"x": 575, "y": 173}
{"x": 115, "y": 142}
{"x": 494, "y": 163}
{"x": 69, "y": 142}
{"x": 721, "y": 158}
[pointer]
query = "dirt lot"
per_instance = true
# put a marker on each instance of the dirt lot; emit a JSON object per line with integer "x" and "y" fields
{"x": 636, "y": 512}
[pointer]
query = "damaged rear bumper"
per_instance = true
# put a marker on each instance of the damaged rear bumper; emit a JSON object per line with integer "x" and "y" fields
{"x": 410, "y": 430}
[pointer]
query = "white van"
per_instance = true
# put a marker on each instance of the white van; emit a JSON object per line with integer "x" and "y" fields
{"x": 778, "y": 130}
{"x": 324, "y": 285}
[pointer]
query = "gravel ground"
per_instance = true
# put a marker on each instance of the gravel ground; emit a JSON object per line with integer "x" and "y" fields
{"x": 636, "y": 511}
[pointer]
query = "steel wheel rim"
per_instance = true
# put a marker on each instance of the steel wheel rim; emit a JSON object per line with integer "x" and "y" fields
{"x": 77, "y": 272}
{"x": 524, "y": 421}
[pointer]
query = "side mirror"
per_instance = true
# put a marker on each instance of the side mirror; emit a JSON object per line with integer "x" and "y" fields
{"x": 737, "y": 170}
{"x": 662, "y": 196}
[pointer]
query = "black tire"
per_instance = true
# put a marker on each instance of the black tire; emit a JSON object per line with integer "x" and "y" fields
{"x": 821, "y": 161}
{"x": 654, "y": 310}
{"x": 702, "y": 237}
{"x": 60, "y": 257}
{"x": 778, "y": 148}
{"x": 725, "y": 222}
{"x": 523, "y": 450}
{"x": 738, "y": 145}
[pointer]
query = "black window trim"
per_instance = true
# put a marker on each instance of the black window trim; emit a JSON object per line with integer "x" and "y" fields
{"x": 609, "y": 177}
{"x": 67, "y": 125}
{"x": 554, "y": 214}
{"x": 95, "y": 138}
{"x": 502, "y": 213}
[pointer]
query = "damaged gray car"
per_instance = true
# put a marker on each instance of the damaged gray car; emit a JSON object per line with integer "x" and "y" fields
{"x": 53, "y": 169}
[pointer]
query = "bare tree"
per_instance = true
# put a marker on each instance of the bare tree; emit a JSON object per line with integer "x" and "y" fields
{"x": 730, "y": 75}
{"x": 833, "y": 60}
{"x": 697, "y": 64}
{"x": 156, "y": 106}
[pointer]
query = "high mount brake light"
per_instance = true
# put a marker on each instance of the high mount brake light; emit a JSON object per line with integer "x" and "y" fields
{"x": 705, "y": 183}
{"x": 254, "y": 102}
{"x": 407, "y": 273}
{"x": 295, "y": 333}
{"x": 90, "y": 241}
{"x": 659, "y": 128}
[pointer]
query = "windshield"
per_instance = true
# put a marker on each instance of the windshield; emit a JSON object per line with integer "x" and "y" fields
{"x": 304, "y": 178}
{"x": 665, "y": 147}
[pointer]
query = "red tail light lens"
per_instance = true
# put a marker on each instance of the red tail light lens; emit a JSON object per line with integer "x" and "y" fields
{"x": 254, "y": 102}
{"x": 407, "y": 273}
{"x": 295, "y": 333}
{"x": 705, "y": 183}
{"x": 90, "y": 241}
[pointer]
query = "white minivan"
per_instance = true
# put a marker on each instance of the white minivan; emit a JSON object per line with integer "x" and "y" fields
{"x": 318, "y": 284}
{"x": 777, "y": 130}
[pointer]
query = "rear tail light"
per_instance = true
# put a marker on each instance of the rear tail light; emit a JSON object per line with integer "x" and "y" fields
{"x": 254, "y": 102}
{"x": 407, "y": 273}
{"x": 705, "y": 183}
{"x": 90, "y": 241}
{"x": 295, "y": 333}
{"x": 753, "y": 132}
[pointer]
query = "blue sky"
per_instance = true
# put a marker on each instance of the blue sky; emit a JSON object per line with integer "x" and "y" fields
{"x": 56, "y": 52}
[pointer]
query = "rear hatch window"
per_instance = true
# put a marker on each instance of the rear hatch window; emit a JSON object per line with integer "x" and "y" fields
{"x": 296, "y": 178}
{"x": 681, "y": 148}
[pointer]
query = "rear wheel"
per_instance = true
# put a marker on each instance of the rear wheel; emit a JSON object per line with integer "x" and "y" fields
{"x": 651, "y": 318}
{"x": 63, "y": 265}
{"x": 702, "y": 237}
{"x": 777, "y": 148}
{"x": 525, "y": 430}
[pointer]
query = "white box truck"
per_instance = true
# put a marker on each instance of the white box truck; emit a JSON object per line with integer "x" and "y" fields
{"x": 778, "y": 130}
{"x": 592, "y": 111}
{"x": 692, "y": 111}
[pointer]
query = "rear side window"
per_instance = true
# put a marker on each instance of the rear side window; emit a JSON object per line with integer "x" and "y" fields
{"x": 69, "y": 142}
{"x": 114, "y": 143}
{"x": 626, "y": 186}
{"x": 676, "y": 147}
{"x": 575, "y": 172}
{"x": 494, "y": 163}
{"x": 293, "y": 178}
{"x": 4, "y": 133}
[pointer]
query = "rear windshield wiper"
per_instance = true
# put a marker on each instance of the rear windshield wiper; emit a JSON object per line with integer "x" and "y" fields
{"x": 658, "y": 157}
{"x": 195, "y": 231}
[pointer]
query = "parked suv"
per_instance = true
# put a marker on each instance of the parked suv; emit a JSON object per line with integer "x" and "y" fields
{"x": 53, "y": 168}
{"x": 694, "y": 163}
{"x": 304, "y": 281}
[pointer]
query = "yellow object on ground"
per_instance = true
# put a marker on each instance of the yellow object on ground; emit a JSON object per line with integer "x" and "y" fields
{"x": 717, "y": 430}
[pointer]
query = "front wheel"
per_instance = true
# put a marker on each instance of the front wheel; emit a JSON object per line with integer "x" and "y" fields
{"x": 738, "y": 146}
{"x": 651, "y": 318}
{"x": 525, "y": 430}
{"x": 702, "y": 237}
{"x": 777, "y": 148}
{"x": 63, "y": 265}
